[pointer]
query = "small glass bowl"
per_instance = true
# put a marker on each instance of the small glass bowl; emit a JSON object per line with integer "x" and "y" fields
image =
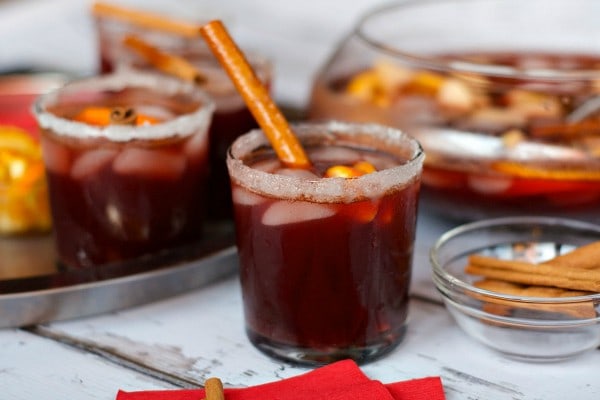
{"x": 526, "y": 328}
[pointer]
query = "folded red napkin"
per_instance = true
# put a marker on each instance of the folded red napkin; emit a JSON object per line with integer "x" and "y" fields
{"x": 342, "y": 380}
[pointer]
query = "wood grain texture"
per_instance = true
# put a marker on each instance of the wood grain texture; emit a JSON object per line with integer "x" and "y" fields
{"x": 32, "y": 367}
{"x": 201, "y": 334}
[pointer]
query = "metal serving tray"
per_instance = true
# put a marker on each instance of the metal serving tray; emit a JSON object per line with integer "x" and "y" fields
{"x": 60, "y": 295}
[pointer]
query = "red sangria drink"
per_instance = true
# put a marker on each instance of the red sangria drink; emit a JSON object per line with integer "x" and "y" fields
{"x": 510, "y": 122}
{"x": 326, "y": 253}
{"x": 126, "y": 157}
{"x": 231, "y": 117}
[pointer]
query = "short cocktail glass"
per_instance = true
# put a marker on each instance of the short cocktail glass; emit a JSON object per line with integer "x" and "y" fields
{"x": 231, "y": 117}
{"x": 120, "y": 190}
{"x": 326, "y": 262}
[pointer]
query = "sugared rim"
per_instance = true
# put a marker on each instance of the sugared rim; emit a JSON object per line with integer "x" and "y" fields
{"x": 326, "y": 190}
{"x": 182, "y": 125}
{"x": 449, "y": 280}
{"x": 458, "y": 66}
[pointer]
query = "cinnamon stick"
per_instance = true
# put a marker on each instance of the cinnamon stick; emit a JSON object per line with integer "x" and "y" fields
{"x": 584, "y": 257}
{"x": 544, "y": 269}
{"x": 534, "y": 274}
{"x": 504, "y": 307}
{"x": 123, "y": 116}
{"x": 213, "y": 389}
{"x": 516, "y": 289}
{"x": 146, "y": 20}
{"x": 165, "y": 62}
{"x": 255, "y": 95}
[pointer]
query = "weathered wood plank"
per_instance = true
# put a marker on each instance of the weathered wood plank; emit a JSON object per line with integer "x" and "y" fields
{"x": 201, "y": 334}
{"x": 37, "y": 368}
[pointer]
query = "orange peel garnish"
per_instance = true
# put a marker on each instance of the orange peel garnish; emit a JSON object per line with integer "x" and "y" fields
{"x": 528, "y": 171}
{"x": 100, "y": 116}
{"x": 146, "y": 120}
{"x": 344, "y": 171}
{"x": 364, "y": 167}
{"x": 364, "y": 211}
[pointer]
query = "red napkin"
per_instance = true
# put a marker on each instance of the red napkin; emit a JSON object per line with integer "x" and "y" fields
{"x": 342, "y": 380}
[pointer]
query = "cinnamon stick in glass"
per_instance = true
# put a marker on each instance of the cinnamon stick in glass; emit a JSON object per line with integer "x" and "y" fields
{"x": 167, "y": 63}
{"x": 145, "y": 19}
{"x": 255, "y": 94}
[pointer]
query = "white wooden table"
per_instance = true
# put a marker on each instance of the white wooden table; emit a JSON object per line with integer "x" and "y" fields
{"x": 181, "y": 341}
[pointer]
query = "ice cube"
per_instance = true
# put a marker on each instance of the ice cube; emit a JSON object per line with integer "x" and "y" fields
{"x": 57, "y": 158}
{"x": 157, "y": 164}
{"x": 196, "y": 146}
{"x": 244, "y": 197}
{"x": 90, "y": 162}
{"x": 288, "y": 212}
{"x": 297, "y": 173}
{"x": 335, "y": 155}
{"x": 269, "y": 165}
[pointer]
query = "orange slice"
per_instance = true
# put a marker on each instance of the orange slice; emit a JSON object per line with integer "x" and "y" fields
{"x": 343, "y": 171}
{"x": 364, "y": 167}
{"x": 363, "y": 211}
{"x": 424, "y": 83}
{"x": 18, "y": 140}
{"x": 23, "y": 196}
{"x": 528, "y": 171}
{"x": 100, "y": 116}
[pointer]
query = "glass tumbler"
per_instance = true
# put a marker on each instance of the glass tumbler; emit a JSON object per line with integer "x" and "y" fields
{"x": 326, "y": 261}
{"x": 126, "y": 157}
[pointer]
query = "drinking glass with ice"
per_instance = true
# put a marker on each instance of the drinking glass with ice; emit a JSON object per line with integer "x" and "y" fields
{"x": 326, "y": 251}
{"x": 126, "y": 157}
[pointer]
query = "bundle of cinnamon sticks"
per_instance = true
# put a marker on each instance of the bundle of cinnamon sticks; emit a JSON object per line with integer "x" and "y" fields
{"x": 576, "y": 273}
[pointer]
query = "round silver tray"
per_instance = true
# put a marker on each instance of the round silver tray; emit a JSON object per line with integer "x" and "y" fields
{"x": 33, "y": 290}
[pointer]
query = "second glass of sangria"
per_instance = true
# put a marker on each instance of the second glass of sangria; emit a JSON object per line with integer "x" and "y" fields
{"x": 126, "y": 157}
{"x": 180, "y": 38}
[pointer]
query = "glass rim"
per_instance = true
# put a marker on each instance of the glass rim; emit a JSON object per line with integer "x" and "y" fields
{"x": 326, "y": 190}
{"x": 179, "y": 126}
{"x": 450, "y": 282}
{"x": 458, "y": 66}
